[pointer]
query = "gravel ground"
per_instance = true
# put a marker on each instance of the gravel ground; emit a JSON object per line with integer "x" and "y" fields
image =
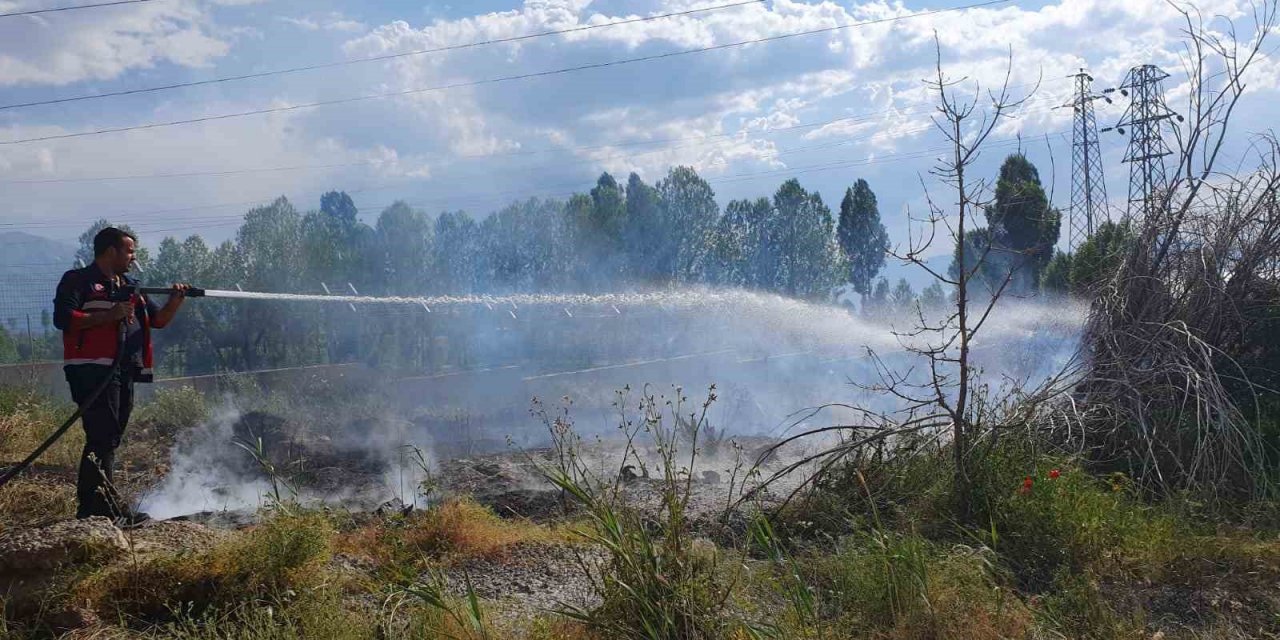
{"x": 529, "y": 580}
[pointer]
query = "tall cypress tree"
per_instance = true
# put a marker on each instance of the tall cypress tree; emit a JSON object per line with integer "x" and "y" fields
{"x": 1024, "y": 226}
{"x": 862, "y": 237}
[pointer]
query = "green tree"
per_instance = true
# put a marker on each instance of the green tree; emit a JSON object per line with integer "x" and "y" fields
{"x": 862, "y": 237}
{"x": 339, "y": 206}
{"x": 1024, "y": 226}
{"x": 877, "y": 304}
{"x": 523, "y": 246}
{"x": 644, "y": 231}
{"x": 404, "y": 249}
{"x": 739, "y": 253}
{"x": 609, "y": 209}
{"x": 1093, "y": 262}
{"x": 690, "y": 215}
{"x": 903, "y": 297}
{"x": 596, "y": 221}
{"x": 85, "y": 253}
{"x": 187, "y": 347}
{"x": 933, "y": 297}
{"x": 337, "y": 248}
{"x": 1099, "y": 256}
{"x": 457, "y": 244}
{"x": 271, "y": 246}
{"x": 1056, "y": 278}
{"x": 810, "y": 263}
{"x": 982, "y": 262}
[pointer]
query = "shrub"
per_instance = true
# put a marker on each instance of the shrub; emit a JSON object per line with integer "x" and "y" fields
{"x": 1043, "y": 517}
{"x": 656, "y": 582}
{"x": 902, "y": 585}
{"x": 317, "y": 615}
{"x": 27, "y": 418}
{"x": 173, "y": 410}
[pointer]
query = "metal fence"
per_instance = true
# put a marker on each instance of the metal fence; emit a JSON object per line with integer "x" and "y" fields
{"x": 26, "y": 312}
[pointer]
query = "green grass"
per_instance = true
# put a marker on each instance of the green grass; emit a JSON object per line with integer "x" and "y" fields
{"x": 873, "y": 553}
{"x": 904, "y": 586}
{"x": 171, "y": 411}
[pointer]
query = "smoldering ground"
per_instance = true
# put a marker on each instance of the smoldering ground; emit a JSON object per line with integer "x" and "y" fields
{"x": 362, "y": 444}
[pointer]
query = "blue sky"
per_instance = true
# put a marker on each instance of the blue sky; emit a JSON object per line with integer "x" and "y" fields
{"x": 479, "y": 147}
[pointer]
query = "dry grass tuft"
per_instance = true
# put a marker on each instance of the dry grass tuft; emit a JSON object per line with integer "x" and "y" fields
{"x": 283, "y": 555}
{"x": 456, "y": 530}
{"x": 35, "y": 502}
{"x": 27, "y": 418}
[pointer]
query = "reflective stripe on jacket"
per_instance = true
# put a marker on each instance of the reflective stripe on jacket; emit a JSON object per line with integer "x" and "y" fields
{"x": 82, "y": 291}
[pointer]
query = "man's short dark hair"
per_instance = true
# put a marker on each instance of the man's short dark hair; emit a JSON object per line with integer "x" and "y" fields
{"x": 109, "y": 238}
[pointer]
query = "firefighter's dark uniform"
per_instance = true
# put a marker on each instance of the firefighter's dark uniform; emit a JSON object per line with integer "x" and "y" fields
{"x": 88, "y": 357}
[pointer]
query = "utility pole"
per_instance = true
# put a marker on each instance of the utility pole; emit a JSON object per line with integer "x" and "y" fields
{"x": 1148, "y": 184}
{"x": 1088, "y": 188}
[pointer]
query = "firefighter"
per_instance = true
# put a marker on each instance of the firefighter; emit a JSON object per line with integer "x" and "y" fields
{"x": 91, "y": 310}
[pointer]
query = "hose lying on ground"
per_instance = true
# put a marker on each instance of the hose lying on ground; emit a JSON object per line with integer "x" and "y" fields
{"x": 12, "y": 472}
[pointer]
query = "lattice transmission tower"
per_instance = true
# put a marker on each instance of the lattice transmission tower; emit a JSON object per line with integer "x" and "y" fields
{"x": 1143, "y": 118}
{"x": 1088, "y": 188}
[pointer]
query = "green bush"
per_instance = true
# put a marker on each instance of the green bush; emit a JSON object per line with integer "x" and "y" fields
{"x": 1078, "y": 608}
{"x": 172, "y": 410}
{"x": 658, "y": 582}
{"x": 1043, "y": 517}
{"x": 902, "y": 585}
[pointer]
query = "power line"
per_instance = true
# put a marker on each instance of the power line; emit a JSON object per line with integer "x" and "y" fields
{"x": 577, "y": 186}
{"x": 918, "y": 106}
{"x": 774, "y": 154}
{"x": 389, "y": 185}
{"x": 500, "y": 79}
{"x": 330, "y": 65}
{"x": 1088, "y": 184}
{"x": 32, "y": 12}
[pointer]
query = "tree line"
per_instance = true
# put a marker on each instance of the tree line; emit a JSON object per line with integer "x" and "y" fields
{"x": 615, "y": 236}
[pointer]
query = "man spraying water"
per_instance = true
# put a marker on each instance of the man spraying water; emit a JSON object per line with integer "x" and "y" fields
{"x": 106, "y": 324}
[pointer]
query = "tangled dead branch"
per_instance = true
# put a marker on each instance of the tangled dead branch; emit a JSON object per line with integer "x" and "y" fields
{"x": 1168, "y": 398}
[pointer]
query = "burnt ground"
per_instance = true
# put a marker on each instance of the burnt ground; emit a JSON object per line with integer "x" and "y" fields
{"x": 535, "y": 577}
{"x": 530, "y": 579}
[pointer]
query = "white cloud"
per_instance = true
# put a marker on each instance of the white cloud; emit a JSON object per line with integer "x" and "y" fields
{"x": 274, "y": 154}
{"x": 334, "y": 21}
{"x": 726, "y": 112}
{"x": 68, "y": 47}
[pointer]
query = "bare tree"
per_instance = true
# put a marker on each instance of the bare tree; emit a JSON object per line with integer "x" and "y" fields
{"x": 940, "y": 396}
{"x": 946, "y": 344}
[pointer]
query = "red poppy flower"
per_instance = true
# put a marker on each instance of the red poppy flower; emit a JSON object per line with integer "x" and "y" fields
{"x": 1026, "y": 486}
{"x": 1054, "y": 473}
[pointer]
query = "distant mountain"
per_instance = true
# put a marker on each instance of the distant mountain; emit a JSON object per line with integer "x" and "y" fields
{"x": 27, "y": 250}
{"x": 29, "y": 270}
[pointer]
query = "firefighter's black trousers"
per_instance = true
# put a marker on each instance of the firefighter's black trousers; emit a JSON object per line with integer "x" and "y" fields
{"x": 104, "y": 422}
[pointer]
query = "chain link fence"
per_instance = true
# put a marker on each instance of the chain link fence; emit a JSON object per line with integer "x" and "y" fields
{"x": 26, "y": 312}
{"x": 30, "y": 346}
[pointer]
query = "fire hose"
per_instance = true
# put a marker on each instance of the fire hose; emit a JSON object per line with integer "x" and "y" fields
{"x": 123, "y": 294}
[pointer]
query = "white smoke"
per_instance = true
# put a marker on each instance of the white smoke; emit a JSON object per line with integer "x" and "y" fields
{"x": 768, "y": 356}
